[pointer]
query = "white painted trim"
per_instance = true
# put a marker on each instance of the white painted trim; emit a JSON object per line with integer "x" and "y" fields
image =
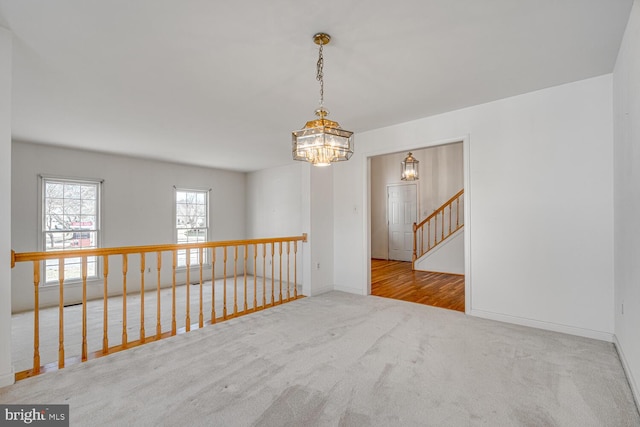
{"x": 321, "y": 290}
{"x": 548, "y": 326}
{"x": 40, "y": 227}
{"x": 635, "y": 390}
{"x": 7, "y": 379}
{"x": 367, "y": 223}
{"x": 366, "y": 202}
{"x": 351, "y": 290}
{"x": 466, "y": 150}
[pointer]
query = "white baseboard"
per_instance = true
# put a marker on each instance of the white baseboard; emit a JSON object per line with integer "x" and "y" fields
{"x": 635, "y": 391}
{"x": 350, "y": 290}
{"x": 549, "y": 326}
{"x": 320, "y": 291}
{"x": 7, "y": 379}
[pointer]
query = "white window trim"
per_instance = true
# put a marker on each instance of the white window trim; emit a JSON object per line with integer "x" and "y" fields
{"x": 42, "y": 178}
{"x": 207, "y": 255}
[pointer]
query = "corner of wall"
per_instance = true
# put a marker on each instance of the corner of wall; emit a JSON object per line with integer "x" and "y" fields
{"x": 6, "y": 369}
{"x": 635, "y": 391}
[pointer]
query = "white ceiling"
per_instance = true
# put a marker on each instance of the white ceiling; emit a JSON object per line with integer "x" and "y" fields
{"x": 223, "y": 83}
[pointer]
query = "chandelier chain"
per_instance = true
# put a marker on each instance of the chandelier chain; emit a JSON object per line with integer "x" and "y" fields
{"x": 320, "y": 75}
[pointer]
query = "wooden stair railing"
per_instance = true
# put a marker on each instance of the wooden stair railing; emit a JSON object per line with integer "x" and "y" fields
{"x": 441, "y": 224}
{"x": 269, "y": 249}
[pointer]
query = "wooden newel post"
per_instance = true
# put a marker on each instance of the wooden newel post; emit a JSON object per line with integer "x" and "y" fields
{"x": 36, "y": 314}
{"x": 415, "y": 246}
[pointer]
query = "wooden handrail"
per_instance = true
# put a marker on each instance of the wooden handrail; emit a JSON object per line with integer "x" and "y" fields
{"x": 440, "y": 209}
{"x": 438, "y": 219}
{"x": 127, "y": 254}
{"x": 120, "y": 250}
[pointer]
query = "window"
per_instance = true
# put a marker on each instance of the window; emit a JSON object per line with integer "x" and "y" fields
{"x": 192, "y": 222}
{"x": 70, "y": 221}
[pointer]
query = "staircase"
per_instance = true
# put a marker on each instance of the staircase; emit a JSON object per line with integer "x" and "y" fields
{"x": 439, "y": 227}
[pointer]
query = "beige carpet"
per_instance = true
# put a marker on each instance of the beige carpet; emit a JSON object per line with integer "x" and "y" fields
{"x": 340, "y": 359}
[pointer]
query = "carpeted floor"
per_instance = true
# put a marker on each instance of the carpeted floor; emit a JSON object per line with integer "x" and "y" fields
{"x": 348, "y": 360}
{"x": 22, "y": 323}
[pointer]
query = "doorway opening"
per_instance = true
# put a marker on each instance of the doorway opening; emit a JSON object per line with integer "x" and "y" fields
{"x": 399, "y": 268}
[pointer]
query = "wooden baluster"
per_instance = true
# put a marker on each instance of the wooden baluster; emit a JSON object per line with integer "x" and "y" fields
{"x": 435, "y": 229}
{"x": 295, "y": 269}
{"x": 158, "y": 307}
{"x": 245, "y": 278}
{"x": 428, "y": 235}
{"x": 84, "y": 308}
{"x": 173, "y": 292}
{"x": 458, "y": 213}
{"x": 201, "y": 315}
{"x": 36, "y": 317}
{"x": 124, "y": 300}
{"x": 213, "y": 285}
{"x": 273, "y": 275}
{"x": 224, "y": 288}
{"x": 143, "y": 267}
{"x": 264, "y": 275}
{"x": 421, "y": 240}
{"x": 105, "y": 302}
{"x": 449, "y": 220}
{"x": 288, "y": 269}
{"x": 235, "y": 280}
{"x": 187, "y": 319}
{"x": 280, "y": 265}
{"x": 415, "y": 242}
{"x": 255, "y": 284}
{"x": 61, "y": 314}
{"x": 280, "y": 271}
{"x": 442, "y": 238}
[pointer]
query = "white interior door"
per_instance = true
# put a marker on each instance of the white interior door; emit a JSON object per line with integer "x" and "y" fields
{"x": 402, "y": 211}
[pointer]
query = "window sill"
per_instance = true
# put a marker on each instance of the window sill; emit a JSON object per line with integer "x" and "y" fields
{"x": 71, "y": 283}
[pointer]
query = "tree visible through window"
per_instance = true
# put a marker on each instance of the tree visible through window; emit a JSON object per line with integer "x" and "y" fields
{"x": 70, "y": 221}
{"x": 192, "y": 222}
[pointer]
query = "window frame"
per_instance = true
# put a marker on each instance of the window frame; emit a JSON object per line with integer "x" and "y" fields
{"x": 43, "y": 179}
{"x": 207, "y": 235}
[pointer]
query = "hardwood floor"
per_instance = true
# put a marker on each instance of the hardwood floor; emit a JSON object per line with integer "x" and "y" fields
{"x": 396, "y": 280}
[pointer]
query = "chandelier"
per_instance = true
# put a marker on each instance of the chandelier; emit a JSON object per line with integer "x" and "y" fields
{"x": 322, "y": 141}
{"x": 409, "y": 168}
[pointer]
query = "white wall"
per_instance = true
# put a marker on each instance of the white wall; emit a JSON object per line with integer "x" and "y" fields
{"x": 447, "y": 257}
{"x": 6, "y": 371}
{"x": 274, "y": 208}
{"x": 321, "y": 240}
{"x": 274, "y": 201}
{"x": 291, "y": 200}
{"x": 441, "y": 177}
{"x": 626, "y": 97}
{"x": 138, "y": 208}
{"x": 539, "y": 194}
